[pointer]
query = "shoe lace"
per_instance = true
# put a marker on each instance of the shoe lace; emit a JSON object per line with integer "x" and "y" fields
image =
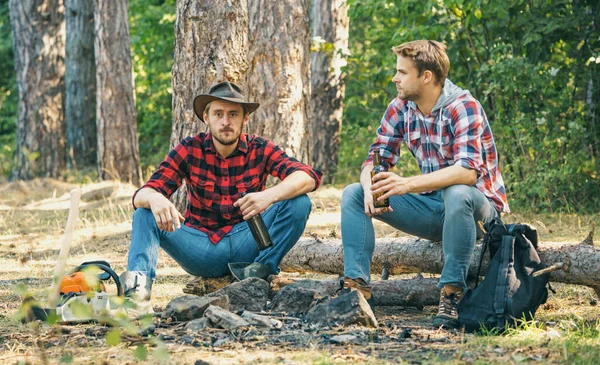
{"x": 448, "y": 303}
{"x": 129, "y": 292}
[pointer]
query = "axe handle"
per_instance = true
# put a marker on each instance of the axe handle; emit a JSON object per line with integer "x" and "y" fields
{"x": 54, "y": 294}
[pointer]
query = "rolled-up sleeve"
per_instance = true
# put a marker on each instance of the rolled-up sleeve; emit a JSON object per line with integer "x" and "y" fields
{"x": 170, "y": 173}
{"x": 469, "y": 117}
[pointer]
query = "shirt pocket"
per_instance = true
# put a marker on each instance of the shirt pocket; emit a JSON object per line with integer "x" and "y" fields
{"x": 248, "y": 184}
{"x": 414, "y": 143}
{"x": 443, "y": 144}
{"x": 204, "y": 189}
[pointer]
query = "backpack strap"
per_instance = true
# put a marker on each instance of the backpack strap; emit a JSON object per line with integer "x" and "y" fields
{"x": 484, "y": 247}
{"x": 500, "y": 295}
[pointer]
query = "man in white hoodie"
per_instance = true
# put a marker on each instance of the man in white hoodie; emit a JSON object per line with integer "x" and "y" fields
{"x": 447, "y": 131}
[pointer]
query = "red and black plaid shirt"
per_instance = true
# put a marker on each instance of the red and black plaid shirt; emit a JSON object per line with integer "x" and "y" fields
{"x": 214, "y": 183}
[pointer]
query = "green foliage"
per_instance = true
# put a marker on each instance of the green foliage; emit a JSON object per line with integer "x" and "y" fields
{"x": 141, "y": 353}
{"x": 576, "y": 339}
{"x": 66, "y": 359}
{"x": 113, "y": 337}
{"x": 582, "y": 345}
{"x": 8, "y": 92}
{"x": 152, "y": 39}
{"x": 532, "y": 64}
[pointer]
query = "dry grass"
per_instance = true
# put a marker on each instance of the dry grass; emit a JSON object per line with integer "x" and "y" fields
{"x": 32, "y": 220}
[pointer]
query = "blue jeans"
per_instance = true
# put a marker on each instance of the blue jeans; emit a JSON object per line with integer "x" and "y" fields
{"x": 197, "y": 255}
{"x": 449, "y": 215}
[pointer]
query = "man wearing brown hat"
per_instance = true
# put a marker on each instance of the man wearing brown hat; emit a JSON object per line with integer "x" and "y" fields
{"x": 217, "y": 167}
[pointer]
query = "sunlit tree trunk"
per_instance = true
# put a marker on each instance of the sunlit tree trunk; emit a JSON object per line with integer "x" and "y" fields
{"x": 279, "y": 74}
{"x": 210, "y": 46}
{"x": 330, "y": 39}
{"x": 38, "y": 30}
{"x": 118, "y": 154}
{"x": 80, "y": 84}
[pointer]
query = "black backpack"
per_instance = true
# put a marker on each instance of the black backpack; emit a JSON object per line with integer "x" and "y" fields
{"x": 509, "y": 293}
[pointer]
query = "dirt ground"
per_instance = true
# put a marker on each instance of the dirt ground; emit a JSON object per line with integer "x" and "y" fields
{"x": 33, "y": 216}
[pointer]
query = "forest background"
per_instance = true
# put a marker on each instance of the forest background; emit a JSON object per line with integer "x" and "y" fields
{"x": 534, "y": 65}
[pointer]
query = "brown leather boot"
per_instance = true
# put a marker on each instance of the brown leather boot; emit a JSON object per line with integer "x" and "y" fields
{"x": 358, "y": 284}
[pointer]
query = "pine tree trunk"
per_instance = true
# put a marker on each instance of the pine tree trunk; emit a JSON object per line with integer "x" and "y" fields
{"x": 279, "y": 74}
{"x": 210, "y": 46}
{"x": 80, "y": 84}
{"x": 118, "y": 153}
{"x": 330, "y": 24}
{"x": 38, "y": 30}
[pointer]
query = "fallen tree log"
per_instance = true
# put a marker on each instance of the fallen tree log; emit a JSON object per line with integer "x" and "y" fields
{"x": 417, "y": 292}
{"x": 581, "y": 262}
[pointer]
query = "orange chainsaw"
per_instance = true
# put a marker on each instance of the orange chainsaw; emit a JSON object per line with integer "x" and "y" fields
{"x": 83, "y": 296}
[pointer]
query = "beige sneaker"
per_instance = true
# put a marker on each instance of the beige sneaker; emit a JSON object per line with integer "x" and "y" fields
{"x": 447, "y": 315}
{"x": 137, "y": 289}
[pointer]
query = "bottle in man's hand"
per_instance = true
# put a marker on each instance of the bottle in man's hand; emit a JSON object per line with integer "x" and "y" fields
{"x": 377, "y": 168}
{"x": 259, "y": 230}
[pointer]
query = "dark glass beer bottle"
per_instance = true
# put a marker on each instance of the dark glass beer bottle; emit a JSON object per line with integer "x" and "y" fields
{"x": 259, "y": 230}
{"x": 377, "y": 168}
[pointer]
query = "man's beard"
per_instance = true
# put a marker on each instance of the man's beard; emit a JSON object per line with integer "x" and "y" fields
{"x": 226, "y": 142}
{"x": 409, "y": 95}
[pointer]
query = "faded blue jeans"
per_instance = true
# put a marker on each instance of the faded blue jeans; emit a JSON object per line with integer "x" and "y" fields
{"x": 197, "y": 255}
{"x": 449, "y": 215}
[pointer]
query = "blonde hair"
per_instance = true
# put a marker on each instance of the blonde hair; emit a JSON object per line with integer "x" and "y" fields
{"x": 427, "y": 55}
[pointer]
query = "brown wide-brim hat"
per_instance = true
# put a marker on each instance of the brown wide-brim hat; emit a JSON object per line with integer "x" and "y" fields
{"x": 226, "y": 91}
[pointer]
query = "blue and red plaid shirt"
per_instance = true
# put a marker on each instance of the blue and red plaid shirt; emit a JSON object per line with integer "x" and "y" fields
{"x": 459, "y": 133}
{"x": 214, "y": 183}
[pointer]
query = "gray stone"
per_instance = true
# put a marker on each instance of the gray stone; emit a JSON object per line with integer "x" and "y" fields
{"x": 294, "y": 299}
{"x": 220, "y": 342}
{"x": 250, "y": 294}
{"x": 188, "y": 307}
{"x": 187, "y": 339}
{"x": 225, "y": 319}
{"x": 348, "y": 308}
{"x": 197, "y": 325}
{"x": 345, "y": 339}
{"x": 261, "y": 321}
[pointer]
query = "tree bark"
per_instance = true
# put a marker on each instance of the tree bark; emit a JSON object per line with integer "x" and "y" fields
{"x": 330, "y": 24}
{"x": 211, "y": 40}
{"x": 417, "y": 292}
{"x": 279, "y": 74}
{"x": 38, "y": 30}
{"x": 80, "y": 84}
{"x": 118, "y": 153}
{"x": 411, "y": 255}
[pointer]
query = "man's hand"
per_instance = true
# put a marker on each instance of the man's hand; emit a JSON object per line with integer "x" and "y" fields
{"x": 167, "y": 216}
{"x": 390, "y": 184}
{"x": 370, "y": 209}
{"x": 365, "y": 182}
{"x": 253, "y": 203}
